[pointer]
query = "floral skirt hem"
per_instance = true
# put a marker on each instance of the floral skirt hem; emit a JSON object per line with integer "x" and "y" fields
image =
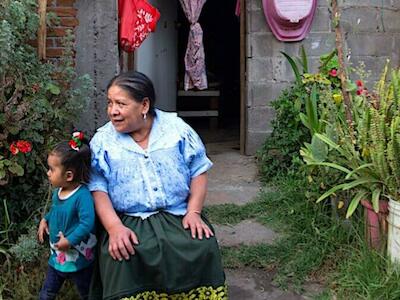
{"x": 204, "y": 293}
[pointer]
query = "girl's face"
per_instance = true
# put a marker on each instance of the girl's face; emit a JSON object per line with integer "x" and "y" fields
{"x": 56, "y": 173}
{"x": 124, "y": 112}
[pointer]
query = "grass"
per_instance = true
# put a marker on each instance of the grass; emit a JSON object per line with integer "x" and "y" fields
{"x": 310, "y": 239}
{"x": 366, "y": 274}
{"x": 313, "y": 246}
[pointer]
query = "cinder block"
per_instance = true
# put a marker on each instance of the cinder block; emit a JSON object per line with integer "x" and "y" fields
{"x": 391, "y": 20}
{"x": 282, "y": 71}
{"x": 259, "y": 70}
{"x": 263, "y": 93}
{"x": 360, "y": 19}
{"x": 253, "y": 5}
{"x": 322, "y": 21}
{"x": 259, "y": 118}
{"x": 257, "y": 22}
{"x": 373, "y": 64}
{"x": 254, "y": 141}
{"x": 370, "y": 44}
{"x": 316, "y": 44}
{"x": 260, "y": 45}
{"x": 375, "y": 3}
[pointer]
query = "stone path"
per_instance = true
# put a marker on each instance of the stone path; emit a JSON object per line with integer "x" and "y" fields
{"x": 233, "y": 179}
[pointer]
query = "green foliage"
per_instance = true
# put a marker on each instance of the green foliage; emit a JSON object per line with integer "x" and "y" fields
{"x": 288, "y": 134}
{"x": 39, "y": 101}
{"x": 365, "y": 274}
{"x": 27, "y": 248}
{"x": 310, "y": 238}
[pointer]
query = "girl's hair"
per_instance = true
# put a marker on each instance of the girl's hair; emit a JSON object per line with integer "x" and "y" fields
{"x": 76, "y": 161}
{"x": 137, "y": 85}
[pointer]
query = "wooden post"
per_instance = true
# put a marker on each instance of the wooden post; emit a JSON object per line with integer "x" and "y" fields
{"x": 342, "y": 68}
{"x": 243, "y": 123}
{"x": 41, "y": 38}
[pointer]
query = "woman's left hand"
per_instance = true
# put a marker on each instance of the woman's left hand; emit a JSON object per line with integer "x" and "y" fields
{"x": 193, "y": 221}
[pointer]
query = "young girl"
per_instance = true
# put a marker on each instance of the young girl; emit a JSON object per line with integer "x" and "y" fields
{"x": 70, "y": 221}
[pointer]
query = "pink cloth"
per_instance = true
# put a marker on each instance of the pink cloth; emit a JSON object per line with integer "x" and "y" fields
{"x": 237, "y": 9}
{"x": 195, "y": 74}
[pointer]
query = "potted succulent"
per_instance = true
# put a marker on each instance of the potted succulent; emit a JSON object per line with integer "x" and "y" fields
{"x": 370, "y": 161}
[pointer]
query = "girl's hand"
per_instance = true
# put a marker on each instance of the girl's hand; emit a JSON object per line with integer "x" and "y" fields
{"x": 121, "y": 242}
{"x": 63, "y": 243}
{"x": 193, "y": 221}
{"x": 43, "y": 228}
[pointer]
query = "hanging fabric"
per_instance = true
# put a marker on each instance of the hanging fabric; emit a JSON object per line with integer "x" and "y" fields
{"x": 195, "y": 74}
{"x": 137, "y": 18}
{"x": 237, "y": 8}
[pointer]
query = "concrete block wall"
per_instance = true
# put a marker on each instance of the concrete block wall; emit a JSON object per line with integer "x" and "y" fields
{"x": 372, "y": 35}
{"x": 96, "y": 55}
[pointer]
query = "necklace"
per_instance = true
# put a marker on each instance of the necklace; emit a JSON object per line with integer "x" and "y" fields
{"x": 142, "y": 139}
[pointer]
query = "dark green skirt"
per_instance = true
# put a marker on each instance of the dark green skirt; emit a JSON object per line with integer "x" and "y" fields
{"x": 168, "y": 264}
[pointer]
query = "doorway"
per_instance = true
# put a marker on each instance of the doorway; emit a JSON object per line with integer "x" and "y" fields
{"x": 161, "y": 57}
{"x": 221, "y": 38}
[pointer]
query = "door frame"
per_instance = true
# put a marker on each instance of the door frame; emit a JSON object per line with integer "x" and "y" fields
{"x": 243, "y": 77}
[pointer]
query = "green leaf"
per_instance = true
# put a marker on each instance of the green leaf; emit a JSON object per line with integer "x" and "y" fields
{"x": 331, "y": 191}
{"x": 354, "y": 203}
{"x": 351, "y": 86}
{"x": 294, "y": 67}
{"x": 319, "y": 149}
{"x": 376, "y": 194}
{"x": 361, "y": 181}
{"x": 54, "y": 89}
{"x": 332, "y": 165}
{"x": 16, "y": 169}
{"x": 2, "y": 118}
{"x": 327, "y": 140}
{"x": 304, "y": 120}
{"x": 348, "y": 176}
{"x": 2, "y": 173}
{"x": 312, "y": 111}
{"x": 304, "y": 59}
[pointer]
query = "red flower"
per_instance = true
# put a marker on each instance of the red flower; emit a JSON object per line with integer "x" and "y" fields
{"x": 78, "y": 134}
{"x": 359, "y": 83}
{"x": 333, "y": 72}
{"x": 14, "y": 149}
{"x": 73, "y": 144}
{"x": 24, "y": 146}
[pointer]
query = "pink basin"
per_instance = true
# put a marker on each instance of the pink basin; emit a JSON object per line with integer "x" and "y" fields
{"x": 289, "y": 20}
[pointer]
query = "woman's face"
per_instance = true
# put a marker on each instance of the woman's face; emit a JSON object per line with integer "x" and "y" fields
{"x": 124, "y": 112}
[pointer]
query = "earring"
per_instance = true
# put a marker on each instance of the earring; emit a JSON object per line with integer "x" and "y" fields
{"x": 144, "y": 116}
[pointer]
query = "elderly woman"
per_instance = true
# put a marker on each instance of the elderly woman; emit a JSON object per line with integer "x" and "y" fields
{"x": 149, "y": 181}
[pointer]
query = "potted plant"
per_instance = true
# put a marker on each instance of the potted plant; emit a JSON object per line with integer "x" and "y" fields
{"x": 369, "y": 162}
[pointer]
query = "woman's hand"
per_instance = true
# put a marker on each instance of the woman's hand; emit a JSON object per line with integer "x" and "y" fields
{"x": 43, "y": 229}
{"x": 193, "y": 221}
{"x": 121, "y": 241}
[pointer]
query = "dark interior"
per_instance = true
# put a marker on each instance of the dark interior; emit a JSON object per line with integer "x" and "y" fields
{"x": 221, "y": 36}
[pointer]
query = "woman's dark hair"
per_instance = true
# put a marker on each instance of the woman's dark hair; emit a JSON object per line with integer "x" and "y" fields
{"x": 137, "y": 85}
{"x": 76, "y": 161}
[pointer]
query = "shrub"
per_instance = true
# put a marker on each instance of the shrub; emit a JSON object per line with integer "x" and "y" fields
{"x": 38, "y": 104}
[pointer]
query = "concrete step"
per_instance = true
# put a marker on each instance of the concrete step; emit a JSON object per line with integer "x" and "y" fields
{"x": 231, "y": 194}
{"x": 247, "y": 232}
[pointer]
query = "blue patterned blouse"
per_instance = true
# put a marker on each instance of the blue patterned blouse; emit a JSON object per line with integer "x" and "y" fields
{"x": 143, "y": 182}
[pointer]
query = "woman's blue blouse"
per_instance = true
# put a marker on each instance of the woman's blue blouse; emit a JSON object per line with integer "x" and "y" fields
{"x": 143, "y": 182}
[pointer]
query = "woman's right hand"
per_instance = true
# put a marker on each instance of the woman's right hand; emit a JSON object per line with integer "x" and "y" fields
{"x": 121, "y": 242}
